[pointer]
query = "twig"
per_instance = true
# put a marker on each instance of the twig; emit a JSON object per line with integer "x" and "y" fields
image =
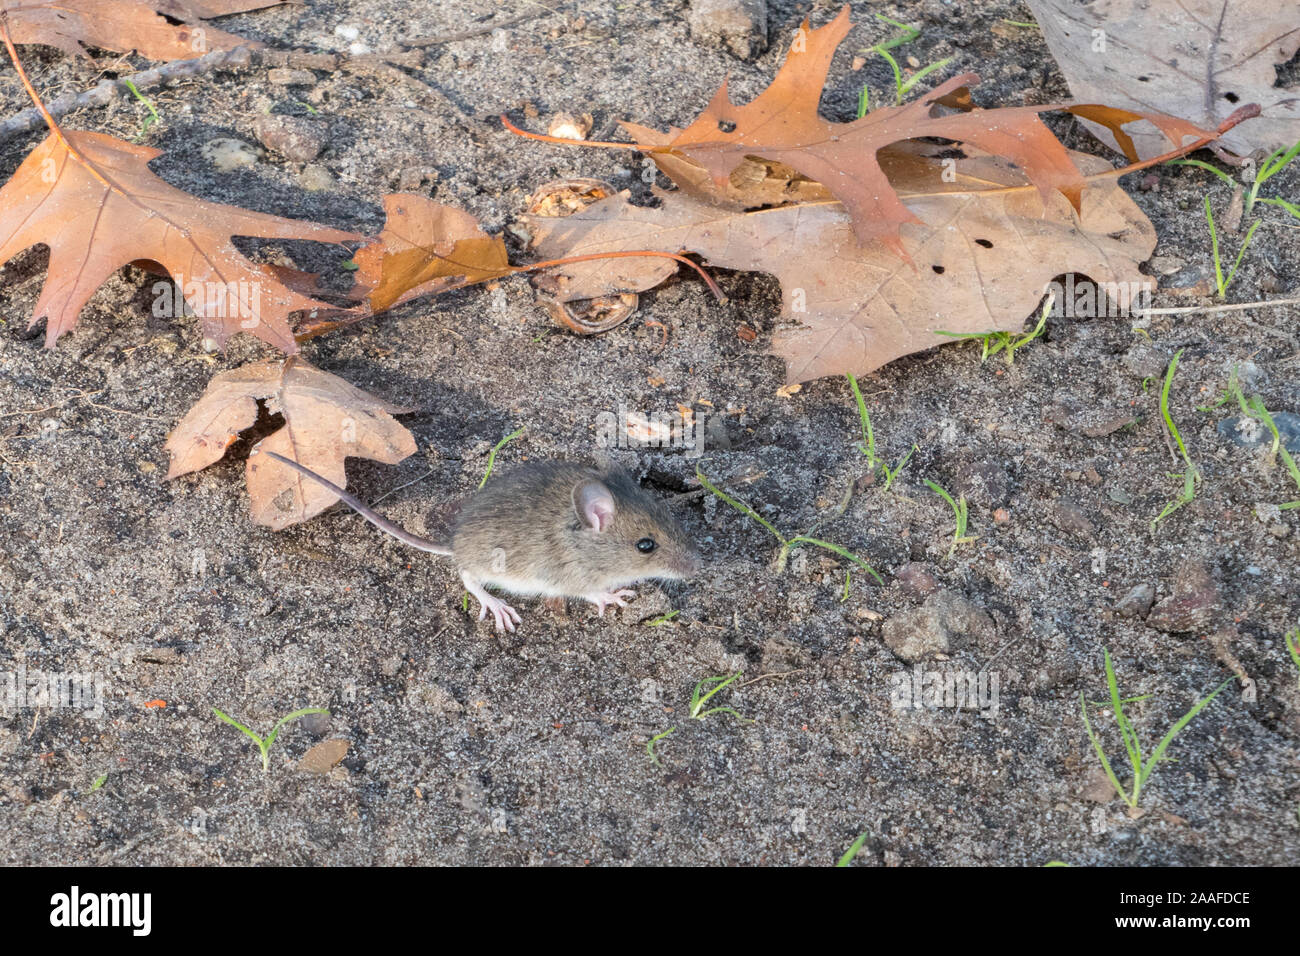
{"x": 108, "y": 90}
{"x": 773, "y": 674}
{"x": 419, "y": 43}
{"x": 240, "y": 58}
{"x": 1206, "y": 310}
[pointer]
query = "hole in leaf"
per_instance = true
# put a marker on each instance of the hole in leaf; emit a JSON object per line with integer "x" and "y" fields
{"x": 1144, "y": 79}
{"x": 1231, "y": 97}
{"x": 984, "y": 242}
{"x": 938, "y": 270}
{"x": 726, "y": 126}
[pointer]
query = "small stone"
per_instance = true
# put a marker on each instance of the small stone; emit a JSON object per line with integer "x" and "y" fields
{"x": 317, "y": 725}
{"x": 1071, "y": 518}
{"x": 1137, "y": 602}
{"x": 297, "y": 139}
{"x": 1251, "y": 433}
{"x": 739, "y": 25}
{"x": 227, "y": 154}
{"x": 1145, "y": 360}
{"x": 1166, "y": 265}
{"x": 917, "y": 580}
{"x": 316, "y": 178}
{"x": 1192, "y": 606}
{"x": 570, "y": 125}
{"x": 945, "y": 619}
{"x": 1098, "y": 788}
{"x": 1098, "y": 422}
{"x": 413, "y": 178}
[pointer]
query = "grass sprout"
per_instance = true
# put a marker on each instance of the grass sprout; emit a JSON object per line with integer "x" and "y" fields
{"x": 961, "y": 514}
{"x": 1192, "y": 476}
{"x": 1220, "y": 283}
{"x": 1270, "y": 166}
{"x": 868, "y": 444}
{"x": 995, "y": 342}
{"x": 1293, "y": 646}
{"x": 699, "y": 699}
{"x": 492, "y": 455}
{"x": 902, "y": 84}
{"x": 1142, "y": 766}
{"x": 787, "y": 544}
{"x": 264, "y": 744}
{"x": 1253, "y": 407}
{"x": 854, "y": 849}
{"x": 153, "y": 116}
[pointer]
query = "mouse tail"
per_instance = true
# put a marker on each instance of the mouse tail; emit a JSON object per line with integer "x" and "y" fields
{"x": 380, "y": 522}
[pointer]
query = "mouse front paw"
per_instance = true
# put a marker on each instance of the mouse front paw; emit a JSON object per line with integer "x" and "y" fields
{"x": 610, "y": 599}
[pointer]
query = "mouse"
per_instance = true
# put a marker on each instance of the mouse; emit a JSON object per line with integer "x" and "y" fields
{"x": 551, "y": 529}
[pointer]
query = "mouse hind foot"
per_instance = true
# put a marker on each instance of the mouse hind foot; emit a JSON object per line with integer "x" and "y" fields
{"x": 503, "y": 614}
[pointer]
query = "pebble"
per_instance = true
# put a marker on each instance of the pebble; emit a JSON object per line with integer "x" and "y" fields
{"x": 739, "y": 25}
{"x": 316, "y": 179}
{"x": 916, "y": 580}
{"x": 228, "y": 155}
{"x": 297, "y": 139}
{"x": 1250, "y": 433}
{"x": 1137, "y": 602}
{"x": 1070, "y": 517}
{"x": 1192, "y": 606}
{"x": 944, "y": 620}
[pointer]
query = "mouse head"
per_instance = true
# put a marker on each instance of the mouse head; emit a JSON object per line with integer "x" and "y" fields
{"x": 629, "y": 533}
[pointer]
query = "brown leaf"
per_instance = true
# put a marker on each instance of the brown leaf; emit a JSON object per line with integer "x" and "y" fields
{"x": 324, "y": 756}
{"x": 325, "y": 421}
{"x": 782, "y": 125}
{"x": 753, "y": 183}
{"x": 94, "y": 201}
{"x": 1200, "y": 59}
{"x": 995, "y": 244}
{"x": 425, "y": 248}
{"x": 124, "y": 26}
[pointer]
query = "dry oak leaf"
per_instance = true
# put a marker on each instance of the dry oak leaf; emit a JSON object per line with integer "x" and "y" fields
{"x": 124, "y": 26}
{"x": 325, "y": 421}
{"x": 782, "y": 125}
{"x": 1199, "y": 59}
{"x": 93, "y": 200}
{"x": 425, "y": 248}
{"x": 989, "y": 245}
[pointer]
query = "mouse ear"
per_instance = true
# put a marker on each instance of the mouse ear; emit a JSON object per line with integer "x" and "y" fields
{"x": 594, "y": 504}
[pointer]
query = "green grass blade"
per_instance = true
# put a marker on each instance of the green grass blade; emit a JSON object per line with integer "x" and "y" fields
{"x": 842, "y": 552}
{"x": 1161, "y": 747}
{"x": 238, "y": 726}
{"x": 1101, "y": 753}
{"x": 492, "y": 455}
{"x": 853, "y": 850}
{"x": 739, "y": 506}
{"x": 1207, "y": 167}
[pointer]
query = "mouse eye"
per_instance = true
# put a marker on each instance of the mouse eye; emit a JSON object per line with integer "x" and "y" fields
{"x": 646, "y": 545}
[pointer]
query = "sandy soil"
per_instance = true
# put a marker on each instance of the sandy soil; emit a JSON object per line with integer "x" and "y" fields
{"x": 470, "y": 747}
